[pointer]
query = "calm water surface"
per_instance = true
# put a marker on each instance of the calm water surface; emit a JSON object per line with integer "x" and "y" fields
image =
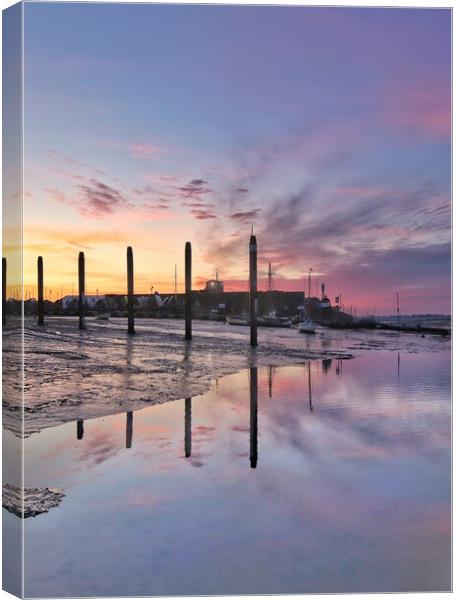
{"x": 330, "y": 476}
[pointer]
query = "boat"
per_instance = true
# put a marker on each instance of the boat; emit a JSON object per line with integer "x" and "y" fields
{"x": 269, "y": 320}
{"x": 272, "y": 320}
{"x": 307, "y": 326}
{"x": 103, "y": 317}
{"x": 238, "y": 320}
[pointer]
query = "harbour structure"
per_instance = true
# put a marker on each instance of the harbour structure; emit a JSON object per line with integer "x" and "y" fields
{"x": 206, "y": 303}
{"x": 321, "y": 311}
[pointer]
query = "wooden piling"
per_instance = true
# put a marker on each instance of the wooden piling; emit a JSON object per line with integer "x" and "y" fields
{"x": 188, "y": 299}
{"x": 4, "y": 291}
{"x": 130, "y": 291}
{"x": 40, "y": 305}
{"x": 253, "y": 417}
{"x": 129, "y": 428}
{"x": 253, "y": 290}
{"x": 187, "y": 427}
{"x": 79, "y": 430}
{"x": 81, "y": 290}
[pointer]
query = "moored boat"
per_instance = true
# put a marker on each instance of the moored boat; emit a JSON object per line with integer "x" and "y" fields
{"x": 237, "y": 320}
{"x": 272, "y": 320}
{"x": 307, "y": 326}
{"x": 103, "y": 317}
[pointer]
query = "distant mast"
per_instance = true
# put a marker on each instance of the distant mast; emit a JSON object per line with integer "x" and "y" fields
{"x": 310, "y": 281}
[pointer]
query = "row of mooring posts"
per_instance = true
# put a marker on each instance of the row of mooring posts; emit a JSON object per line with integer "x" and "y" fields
{"x": 130, "y": 291}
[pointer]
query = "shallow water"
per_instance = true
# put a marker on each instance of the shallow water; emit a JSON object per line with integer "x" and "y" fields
{"x": 350, "y": 490}
{"x": 72, "y": 374}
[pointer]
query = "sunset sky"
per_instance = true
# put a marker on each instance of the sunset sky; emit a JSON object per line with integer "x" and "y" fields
{"x": 327, "y": 129}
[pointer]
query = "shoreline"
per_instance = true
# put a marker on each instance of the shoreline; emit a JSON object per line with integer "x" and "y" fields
{"x": 73, "y": 375}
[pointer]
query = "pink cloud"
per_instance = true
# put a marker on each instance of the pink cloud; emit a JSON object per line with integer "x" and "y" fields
{"x": 138, "y": 150}
{"x": 203, "y": 214}
{"x": 143, "y": 151}
{"x": 245, "y": 216}
{"x": 426, "y": 110}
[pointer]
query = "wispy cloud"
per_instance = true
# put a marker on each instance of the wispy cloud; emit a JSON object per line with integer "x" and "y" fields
{"x": 143, "y": 151}
{"x": 99, "y": 199}
{"x": 203, "y": 215}
{"x": 245, "y": 216}
{"x": 93, "y": 198}
{"x": 194, "y": 189}
{"x": 416, "y": 108}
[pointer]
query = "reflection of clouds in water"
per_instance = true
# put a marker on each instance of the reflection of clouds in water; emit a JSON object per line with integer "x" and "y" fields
{"x": 203, "y": 432}
{"x": 356, "y": 491}
{"x": 143, "y": 498}
{"x": 357, "y": 418}
{"x": 240, "y": 428}
{"x": 100, "y": 446}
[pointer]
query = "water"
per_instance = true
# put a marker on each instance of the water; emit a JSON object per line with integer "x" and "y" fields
{"x": 72, "y": 374}
{"x": 350, "y": 490}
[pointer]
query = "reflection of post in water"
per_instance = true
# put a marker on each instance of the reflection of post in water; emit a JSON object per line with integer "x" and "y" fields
{"x": 399, "y": 365}
{"x": 253, "y": 417}
{"x": 271, "y": 378}
{"x": 326, "y": 364}
{"x": 187, "y": 427}
{"x": 79, "y": 430}
{"x": 310, "y": 387}
{"x": 339, "y": 367}
{"x": 129, "y": 428}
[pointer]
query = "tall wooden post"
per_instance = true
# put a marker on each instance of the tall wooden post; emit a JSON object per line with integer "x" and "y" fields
{"x": 129, "y": 428}
{"x": 130, "y": 291}
{"x": 81, "y": 290}
{"x": 4, "y": 291}
{"x": 188, "y": 299}
{"x": 253, "y": 290}
{"x": 253, "y": 417}
{"x": 41, "y": 320}
{"x": 187, "y": 427}
{"x": 79, "y": 430}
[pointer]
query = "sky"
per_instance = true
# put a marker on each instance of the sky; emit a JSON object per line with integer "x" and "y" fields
{"x": 327, "y": 129}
